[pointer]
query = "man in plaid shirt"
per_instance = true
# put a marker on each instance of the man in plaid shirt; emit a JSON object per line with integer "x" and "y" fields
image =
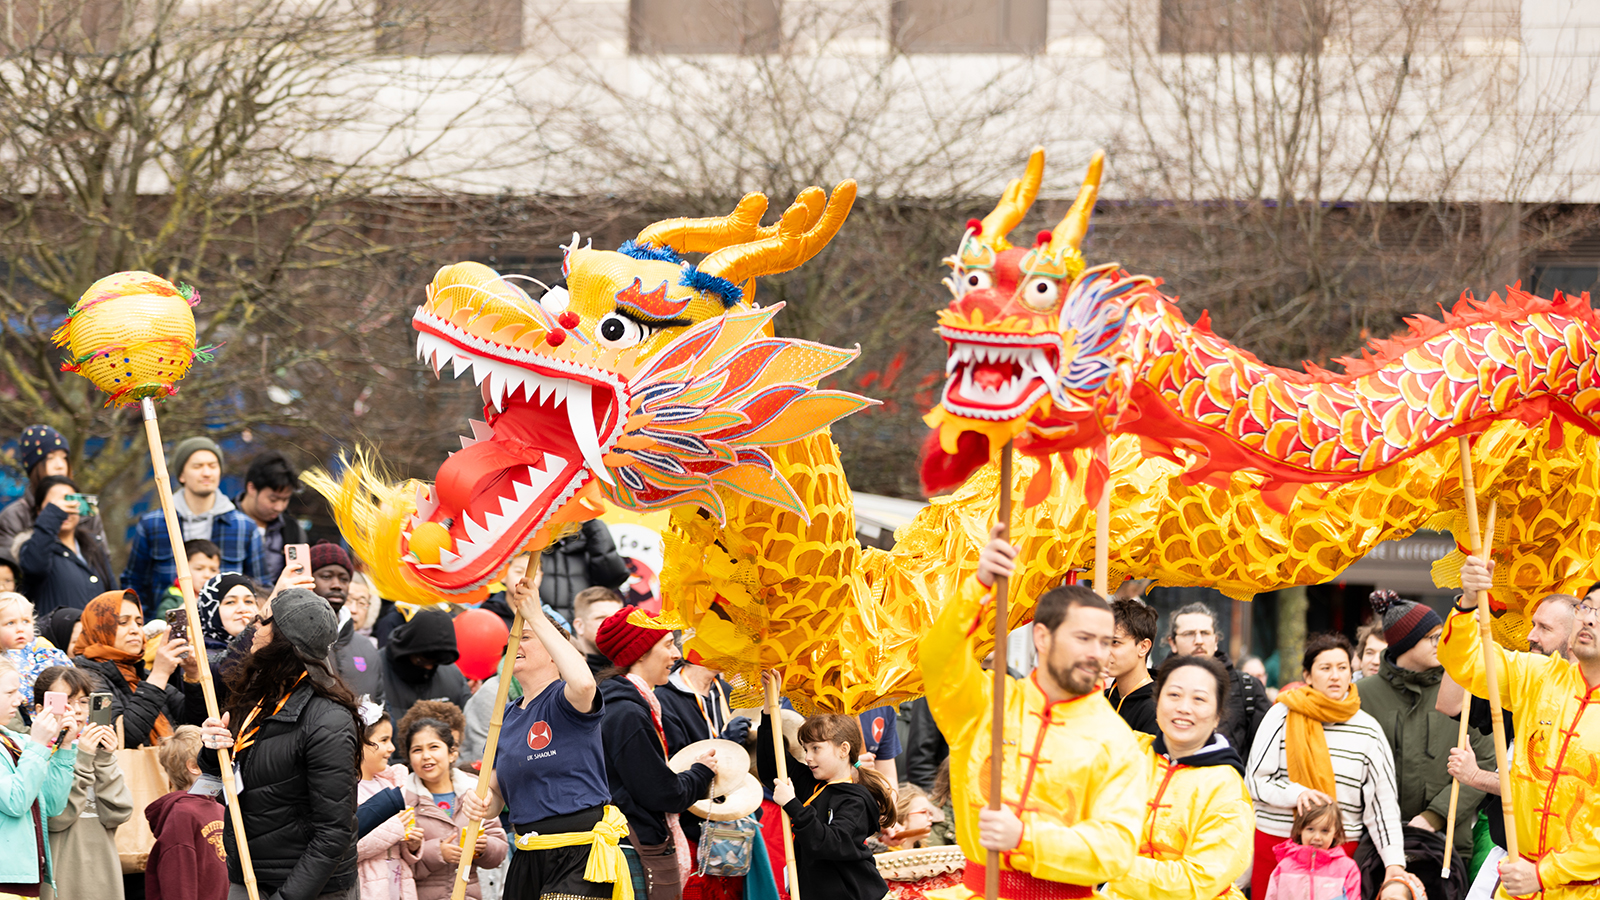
{"x": 203, "y": 512}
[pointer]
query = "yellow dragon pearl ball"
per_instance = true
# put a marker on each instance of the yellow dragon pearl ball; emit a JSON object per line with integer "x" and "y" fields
{"x": 134, "y": 333}
{"x": 427, "y": 540}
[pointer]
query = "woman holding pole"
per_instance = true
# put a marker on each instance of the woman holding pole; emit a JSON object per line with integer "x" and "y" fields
{"x": 295, "y": 733}
{"x": 550, "y": 769}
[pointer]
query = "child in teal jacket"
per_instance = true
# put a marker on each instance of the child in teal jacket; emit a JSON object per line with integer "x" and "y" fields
{"x": 35, "y": 779}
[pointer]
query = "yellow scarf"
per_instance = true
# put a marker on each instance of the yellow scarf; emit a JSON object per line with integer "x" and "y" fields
{"x": 1304, "y": 742}
{"x": 606, "y": 863}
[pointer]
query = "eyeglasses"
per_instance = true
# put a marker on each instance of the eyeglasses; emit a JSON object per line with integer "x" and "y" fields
{"x": 1588, "y": 609}
{"x": 1193, "y": 635}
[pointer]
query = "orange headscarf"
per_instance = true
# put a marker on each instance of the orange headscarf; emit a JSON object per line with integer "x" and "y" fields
{"x": 99, "y": 643}
{"x": 1304, "y": 741}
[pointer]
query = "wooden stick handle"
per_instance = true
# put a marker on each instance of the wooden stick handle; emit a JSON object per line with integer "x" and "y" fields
{"x": 491, "y": 744}
{"x": 1476, "y": 544}
{"x": 158, "y": 462}
{"x": 1491, "y": 672}
{"x": 781, "y": 761}
{"x": 997, "y": 724}
{"x": 1102, "y": 533}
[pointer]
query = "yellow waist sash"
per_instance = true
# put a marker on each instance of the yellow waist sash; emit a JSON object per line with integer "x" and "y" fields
{"x": 606, "y": 862}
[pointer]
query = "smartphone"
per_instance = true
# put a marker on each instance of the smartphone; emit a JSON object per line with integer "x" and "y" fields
{"x": 55, "y": 703}
{"x": 88, "y": 504}
{"x": 298, "y": 555}
{"x": 100, "y": 709}
{"x": 177, "y": 624}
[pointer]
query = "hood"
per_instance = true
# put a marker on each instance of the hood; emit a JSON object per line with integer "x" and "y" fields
{"x": 1307, "y": 857}
{"x": 162, "y": 808}
{"x": 429, "y": 633}
{"x": 220, "y": 506}
{"x": 460, "y": 782}
{"x": 1218, "y": 752}
{"x": 621, "y": 690}
{"x": 1407, "y": 680}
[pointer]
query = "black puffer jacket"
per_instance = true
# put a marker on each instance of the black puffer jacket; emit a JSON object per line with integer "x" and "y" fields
{"x": 582, "y": 560}
{"x": 183, "y": 703}
{"x": 642, "y": 785}
{"x": 299, "y": 799}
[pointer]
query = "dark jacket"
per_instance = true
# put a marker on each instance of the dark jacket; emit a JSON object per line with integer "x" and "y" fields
{"x": 17, "y": 519}
{"x": 299, "y": 799}
{"x": 359, "y": 662}
{"x": 642, "y": 785}
{"x": 54, "y": 577}
{"x": 1138, "y": 709}
{"x": 186, "y": 860}
{"x": 283, "y": 531}
{"x": 681, "y": 718}
{"x": 183, "y": 703}
{"x": 430, "y": 634}
{"x": 926, "y": 748}
{"x": 1247, "y": 706}
{"x": 582, "y": 560}
{"x": 830, "y": 843}
{"x": 1421, "y": 737}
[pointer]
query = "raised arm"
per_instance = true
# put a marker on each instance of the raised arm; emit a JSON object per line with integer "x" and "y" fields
{"x": 958, "y": 691}
{"x": 569, "y": 661}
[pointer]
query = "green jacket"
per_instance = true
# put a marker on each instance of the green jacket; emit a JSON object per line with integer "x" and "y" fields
{"x": 1421, "y": 737}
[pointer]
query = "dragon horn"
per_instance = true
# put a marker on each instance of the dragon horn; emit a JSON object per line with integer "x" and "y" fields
{"x": 1075, "y": 224}
{"x": 813, "y": 198}
{"x": 710, "y": 234}
{"x": 1015, "y": 202}
{"x": 798, "y": 237}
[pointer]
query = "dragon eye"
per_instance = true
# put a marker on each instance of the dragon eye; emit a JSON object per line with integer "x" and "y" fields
{"x": 975, "y": 280}
{"x": 555, "y": 300}
{"x": 620, "y": 332}
{"x": 1041, "y": 293}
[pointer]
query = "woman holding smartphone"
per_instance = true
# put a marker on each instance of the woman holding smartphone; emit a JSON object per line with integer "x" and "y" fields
{"x": 154, "y": 701}
{"x": 63, "y": 563}
{"x": 83, "y": 835}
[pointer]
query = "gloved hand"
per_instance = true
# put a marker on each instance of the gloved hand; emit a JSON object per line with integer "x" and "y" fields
{"x": 737, "y": 730}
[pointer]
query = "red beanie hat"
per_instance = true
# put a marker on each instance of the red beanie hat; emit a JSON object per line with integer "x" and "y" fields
{"x": 624, "y": 642}
{"x": 327, "y": 554}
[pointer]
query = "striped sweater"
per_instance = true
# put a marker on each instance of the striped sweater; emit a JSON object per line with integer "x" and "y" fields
{"x": 1363, "y": 768}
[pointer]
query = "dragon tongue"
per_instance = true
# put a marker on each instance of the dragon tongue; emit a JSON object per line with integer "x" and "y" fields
{"x": 580, "y": 418}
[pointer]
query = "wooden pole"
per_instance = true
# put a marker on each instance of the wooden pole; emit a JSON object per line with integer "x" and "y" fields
{"x": 158, "y": 462}
{"x": 781, "y": 760}
{"x": 1476, "y": 543}
{"x": 997, "y": 725}
{"x": 1102, "y": 532}
{"x": 497, "y": 718}
{"x": 1491, "y": 672}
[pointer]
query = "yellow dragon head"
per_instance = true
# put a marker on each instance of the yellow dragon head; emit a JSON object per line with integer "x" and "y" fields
{"x": 645, "y": 378}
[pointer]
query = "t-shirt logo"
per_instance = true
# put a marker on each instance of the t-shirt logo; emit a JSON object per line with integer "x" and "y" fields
{"x": 877, "y": 729}
{"x": 539, "y": 736}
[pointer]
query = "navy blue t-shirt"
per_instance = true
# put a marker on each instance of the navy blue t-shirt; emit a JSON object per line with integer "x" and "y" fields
{"x": 549, "y": 760}
{"x": 879, "y": 734}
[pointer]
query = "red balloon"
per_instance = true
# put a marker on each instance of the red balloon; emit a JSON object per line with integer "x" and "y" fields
{"x": 481, "y": 640}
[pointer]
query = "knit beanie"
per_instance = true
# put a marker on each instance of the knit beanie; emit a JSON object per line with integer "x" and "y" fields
{"x": 187, "y": 448}
{"x": 1404, "y": 623}
{"x": 624, "y": 642}
{"x": 327, "y": 554}
{"x": 37, "y": 442}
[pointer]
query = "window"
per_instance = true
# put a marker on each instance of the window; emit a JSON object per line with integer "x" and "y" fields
{"x": 71, "y": 26}
{"x": 1566, "y": 278}
{"x": 703, "y": 26}
{"x": 1242, "y": 26}
{"x": 430, "y": 27}
{"x": 970, "y": 26}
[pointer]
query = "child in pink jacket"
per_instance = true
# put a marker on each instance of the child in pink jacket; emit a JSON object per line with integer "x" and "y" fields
{"x": 1311, "y": 863}
{"x": 382, "y": 863}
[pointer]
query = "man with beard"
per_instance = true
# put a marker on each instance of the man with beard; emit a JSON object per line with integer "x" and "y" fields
{"x": 419, "y": 664}
{"x": 1194, "y": 632}
{"x": 359, "y": 663}
{"x": 1556, "y": 706}
{"x": 1073, "y": 791}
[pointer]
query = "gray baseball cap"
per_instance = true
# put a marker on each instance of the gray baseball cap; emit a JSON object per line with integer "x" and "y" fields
{"x": 306, "y": 621}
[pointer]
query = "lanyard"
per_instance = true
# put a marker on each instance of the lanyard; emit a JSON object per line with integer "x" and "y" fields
{"x": 820, "y": 789}
{"x": 247, "y": 735}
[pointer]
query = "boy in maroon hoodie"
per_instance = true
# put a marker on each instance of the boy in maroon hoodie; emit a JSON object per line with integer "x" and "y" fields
{"x": 187, "y": 860}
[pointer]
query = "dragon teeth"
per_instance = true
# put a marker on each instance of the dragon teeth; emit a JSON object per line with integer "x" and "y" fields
{"x": 580, "y": 417}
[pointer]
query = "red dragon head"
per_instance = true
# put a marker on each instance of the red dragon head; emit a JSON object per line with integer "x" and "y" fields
{"x": 1031, "y": 335}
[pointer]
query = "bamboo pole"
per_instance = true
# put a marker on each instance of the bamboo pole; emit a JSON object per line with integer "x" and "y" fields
{"x": 497, "y": 718}
{"x": 1476, "y": 543}
{"x": 780, "y": 759}
{"x": 997, "y": 724}
{"x": 1491, "y": 660}
{"x": 1102, "y": 532}
{"x": 158, "y": 462}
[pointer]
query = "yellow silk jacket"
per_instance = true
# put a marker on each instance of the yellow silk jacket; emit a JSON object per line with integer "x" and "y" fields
{"x": 1555, "y": 770}
{"x": 1072, "y": 771}
{"x": 1197, "y": 836}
